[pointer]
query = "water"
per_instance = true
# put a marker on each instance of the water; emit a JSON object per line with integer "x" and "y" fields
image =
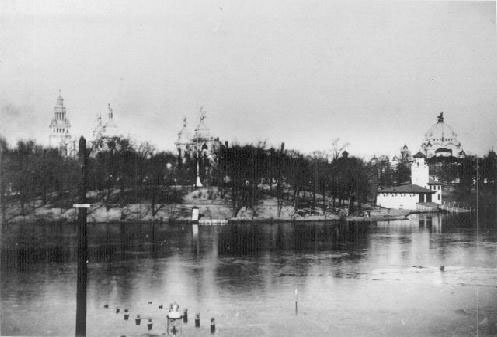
{"x": 369, "y": 279}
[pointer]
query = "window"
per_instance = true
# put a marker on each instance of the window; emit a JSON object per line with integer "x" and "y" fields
{"x": 439, "y": 197}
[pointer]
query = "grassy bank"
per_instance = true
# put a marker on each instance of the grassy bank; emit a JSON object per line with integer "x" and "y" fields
{"x": 212, "y": 203}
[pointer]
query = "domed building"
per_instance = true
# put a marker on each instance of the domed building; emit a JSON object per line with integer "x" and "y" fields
{"x": 105, "y": 128}
{"x": 441, "y": 141}
{"x": 201, "y": 141}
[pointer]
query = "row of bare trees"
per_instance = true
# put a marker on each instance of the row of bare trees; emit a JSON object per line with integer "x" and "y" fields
{"x": 119, "y": 173}
{"x": 252, "y": 171}
{"x": 122, "y": 172}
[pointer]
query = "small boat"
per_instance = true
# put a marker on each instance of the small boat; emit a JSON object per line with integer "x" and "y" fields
{"x": 174, "y": 312}
{"x": 174, "y": 323}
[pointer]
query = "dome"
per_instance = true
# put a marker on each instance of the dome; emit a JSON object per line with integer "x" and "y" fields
{"x": 440, "y": 139}
{"x": 441, "y": 132}
{"x": 202, "y": 133}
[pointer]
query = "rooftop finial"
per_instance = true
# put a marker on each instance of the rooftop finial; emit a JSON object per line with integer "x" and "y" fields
{"x": 111, "y": 113}
{"x": 60, "y": 100}
{"x": 441, "y": 117}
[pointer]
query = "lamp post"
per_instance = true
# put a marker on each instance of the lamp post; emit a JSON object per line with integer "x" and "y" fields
{"x": 197, "y": 181}
{"x": 80, "y": 330}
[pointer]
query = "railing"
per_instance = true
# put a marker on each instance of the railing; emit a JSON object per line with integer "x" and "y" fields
{"x": 427, "y": 208}
{"x": 455, "y": 207}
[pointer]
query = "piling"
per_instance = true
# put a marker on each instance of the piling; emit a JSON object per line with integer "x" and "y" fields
{"x": 149, "y": 324}
{"x": 213, "y": 326}
{"x": 197, "y": 320}
{"x": 138, "y": 320}
{"x": 296, "y": 301}
{"x": 185, "y": 316}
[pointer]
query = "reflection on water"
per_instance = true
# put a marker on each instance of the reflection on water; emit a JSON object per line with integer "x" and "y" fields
{"x": 368, "y": 279}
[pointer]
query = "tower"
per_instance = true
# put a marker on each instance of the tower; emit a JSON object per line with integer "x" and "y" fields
{"x": 99, "y": 130}
{"x": 420, "y": 174}
{"x": 105, "y": 128}
{"x": 110, "y": 125}
{"x": 59, "y": 127}
{"x": 405, "y": 154}
{"x": 183, "y": 143}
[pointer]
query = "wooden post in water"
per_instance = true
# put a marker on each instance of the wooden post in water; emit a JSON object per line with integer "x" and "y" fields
{"x": 3, "y": 187}
{"x": 82, "y": 244}
{"x": 296, "y": 301}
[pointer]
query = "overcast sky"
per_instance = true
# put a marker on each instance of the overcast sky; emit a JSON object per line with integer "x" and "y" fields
{"x": 374, "y": 74}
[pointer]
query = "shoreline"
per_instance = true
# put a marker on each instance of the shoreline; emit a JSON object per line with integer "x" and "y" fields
{"x": 211, "y": 214}
{"x": 207, "y": 222}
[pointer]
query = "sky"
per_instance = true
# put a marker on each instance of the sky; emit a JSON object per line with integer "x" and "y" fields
{"x": 373, "y": 74}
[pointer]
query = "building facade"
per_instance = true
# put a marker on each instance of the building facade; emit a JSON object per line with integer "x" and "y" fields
{"x": 406, "y": 196}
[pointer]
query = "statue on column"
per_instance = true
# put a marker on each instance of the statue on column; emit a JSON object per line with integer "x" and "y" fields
{"x": 441, "y": 117}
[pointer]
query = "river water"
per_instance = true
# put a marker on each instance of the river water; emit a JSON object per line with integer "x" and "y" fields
{"x": 355, "y": 279}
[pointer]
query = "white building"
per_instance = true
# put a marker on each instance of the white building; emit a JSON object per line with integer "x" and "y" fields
{"x": 421, "y": 190}
{"x": 405, "y": 196}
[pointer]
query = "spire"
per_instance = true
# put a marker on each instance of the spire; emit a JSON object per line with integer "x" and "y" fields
{"x": 202, "y": 114}
{"x": 60, "y": 125}
{"x": 111, "y": 113}
{"x": 60, "y": 100}
{"x": 184, "y": 122}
